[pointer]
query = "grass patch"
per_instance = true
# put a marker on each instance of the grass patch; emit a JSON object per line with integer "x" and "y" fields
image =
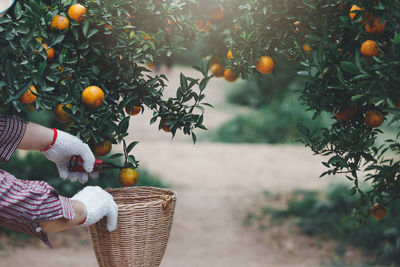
{"x": 329, "y": 216}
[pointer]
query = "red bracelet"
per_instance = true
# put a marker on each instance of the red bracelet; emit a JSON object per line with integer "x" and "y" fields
{"x": 52, "y": 143}
{"x": 82, "y": 221}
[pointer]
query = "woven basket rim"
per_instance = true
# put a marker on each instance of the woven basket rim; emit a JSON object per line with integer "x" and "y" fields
{"x": 157, "y": 197}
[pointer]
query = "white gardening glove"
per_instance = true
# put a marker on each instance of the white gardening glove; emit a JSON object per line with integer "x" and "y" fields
{"x": 65, "y": 147}
{"x": 98, "y": 204}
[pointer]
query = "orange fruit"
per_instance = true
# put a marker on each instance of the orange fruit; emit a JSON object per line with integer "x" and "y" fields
{"x": 215, "y": 60}
{"x": 49, "y": 52}
{"x": 165, "y": 127}
{"x": 369, "y": 49}
{"x": 307, "y": 48}
{"x": 107, "y": 26}
{"x": 60, "y": 23}
{"x": 378, "y": 212}
{"x": 346, "y": 114}
{"x": 102, "y": 149}
{"x": 28, "y": 97}
{"x": 60, "y": 113}
{"x": 374, "y": 26}
{"x": 204, "y": 26}
{"x": 374, "y": 118}
{"x": 265, "y": 65}
{"x": 352, "y": 9}
{"x": 128, "y": 177}
{"x": 217, "y": 13}
{"x": 93, "y": 97}
{"x": 77, "y": 12}
{"x": 229, "y": 55}
{"x": 133, "y": 110}
{"x": 217, "y": 70}
{"x": 230, "y": 75}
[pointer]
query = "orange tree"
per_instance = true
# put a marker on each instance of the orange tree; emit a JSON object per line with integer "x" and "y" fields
{"x": 349, "y": 55}
{"x": 86, "y": 63}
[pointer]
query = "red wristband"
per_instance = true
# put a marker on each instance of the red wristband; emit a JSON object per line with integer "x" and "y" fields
{"x": 52, "y": 143}
{"x": 82, "y": 221}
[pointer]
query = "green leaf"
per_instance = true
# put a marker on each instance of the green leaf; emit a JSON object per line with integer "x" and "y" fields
{"x": 85, "y": 27}
{"x": 349, "y": 67}
{"x": 18, "y": 10}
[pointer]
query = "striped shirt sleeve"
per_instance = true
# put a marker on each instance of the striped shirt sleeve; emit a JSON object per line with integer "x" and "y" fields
{"x": 12, "y": 130}
{"x": 24, "y": 204}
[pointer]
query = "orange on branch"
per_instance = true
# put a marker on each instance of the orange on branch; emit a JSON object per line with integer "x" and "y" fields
{"x": 217, "y": 13}
{"x": 28, "y": 97}
{"x": 49, "y": 51}
{"x": 346, "y": 114}
{"x": 378, "y": 212}
{"x": 60, "y": 113}
{"x": 353, "y": 9}
{"x": 265, "y": 65}
{"x": 369, "y": 48}
{"x": 230, "y": 75}
{"x": 374, "y": 118}
{"x": 165, "y": 127}
{"x": 307, "y": 48}
{"x": 77, "y": 12}
{"x": 229, "y": 55}
{"x": 93, "y": 97}
{"x": 128, "y": 177}
{"x": 60, "y": 23}
{"x": 102, "y": 149}
{"x": 217, "y": 70}
{"x": 375, "y": 26}
{"x": 133, "y": 110}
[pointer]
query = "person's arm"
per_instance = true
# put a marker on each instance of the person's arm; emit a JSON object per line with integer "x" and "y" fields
{"x": 63, "y": 223}
{"x": 36, "y": 137}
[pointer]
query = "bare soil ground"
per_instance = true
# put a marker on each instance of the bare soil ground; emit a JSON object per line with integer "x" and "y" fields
{"x": 217, "y": 185}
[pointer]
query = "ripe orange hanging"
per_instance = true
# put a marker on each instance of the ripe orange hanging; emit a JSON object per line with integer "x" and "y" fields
{"x": 229, "y": 55}
{"x": 49, "y": 51}
{"x": 60, "y": 113}
{"x": 369, "y": 49}
{"x": 165, "y": 127}
{"x": 77, "y": 12}
{"x": 128, "y": 177}
{"x": 374, "y": 118}
{"x": 60, "y": 23}
{"x": 28, "y": 97}
{"x": 230, "y": 75}
{"x": 354, "y": 8}
{"x": 378, "y": 212}
{"x": 133, "y": 110}
{"x": 217, "y": 13}
{"x": 307, "y": 48}
{"x": 93, "y": 97}
{"x": 375, "y": 26}
{"x": 346, "y": 114}
{"x": 217, "y": 70}
{"x": 265, "y": 65}
{"x": 102, "y": 149}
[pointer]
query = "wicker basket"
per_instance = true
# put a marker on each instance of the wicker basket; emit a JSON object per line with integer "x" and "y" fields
{"x": 145, "y": 217}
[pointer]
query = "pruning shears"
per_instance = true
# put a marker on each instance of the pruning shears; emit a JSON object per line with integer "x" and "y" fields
{"x": 76, "y": 165}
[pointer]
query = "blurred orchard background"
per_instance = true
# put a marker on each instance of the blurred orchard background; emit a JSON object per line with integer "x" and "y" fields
{"x": 249, "y": 193}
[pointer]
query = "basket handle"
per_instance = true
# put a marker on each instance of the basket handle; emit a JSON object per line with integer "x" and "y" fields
{"x": 166, "y": 204}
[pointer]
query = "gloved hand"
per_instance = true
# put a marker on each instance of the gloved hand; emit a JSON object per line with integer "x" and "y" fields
{"x": 98, "y": 204}
{"x": 65, "y": 147}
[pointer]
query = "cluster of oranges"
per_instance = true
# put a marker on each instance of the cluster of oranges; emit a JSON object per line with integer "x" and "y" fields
{"x": 204, "y": 25}
{"x": 373, "y": 118}
{"x": 373, "y": 25}
{"x": 265, "y": 65}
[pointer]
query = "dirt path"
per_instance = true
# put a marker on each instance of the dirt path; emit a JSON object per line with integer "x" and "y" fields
{"x": 217, "y": 184}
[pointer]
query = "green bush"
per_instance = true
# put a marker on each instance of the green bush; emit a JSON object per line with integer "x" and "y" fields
{"x": 330, "y": 217}
{"x": 260, "y": 90}
{"x": 274, "y": 123}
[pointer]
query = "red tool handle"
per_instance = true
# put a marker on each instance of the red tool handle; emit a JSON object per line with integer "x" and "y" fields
{"x": 76, "y": 165}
